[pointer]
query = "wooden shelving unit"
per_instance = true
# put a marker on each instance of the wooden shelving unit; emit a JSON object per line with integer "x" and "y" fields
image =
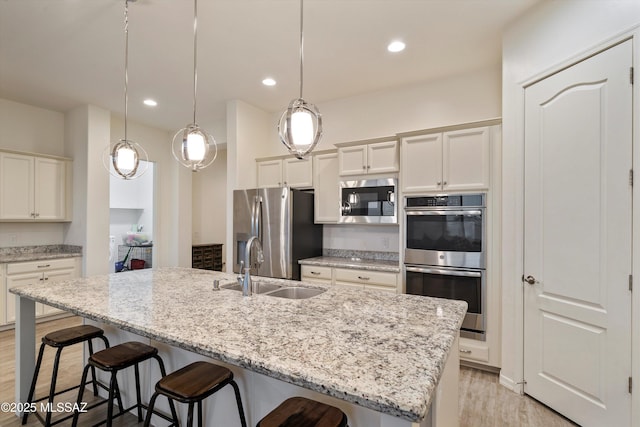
{"x": 207, "y": 256}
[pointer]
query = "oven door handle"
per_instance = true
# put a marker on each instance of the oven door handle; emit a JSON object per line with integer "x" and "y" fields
{"x": 443, "y": 212}
{"x": 464, "y": 273}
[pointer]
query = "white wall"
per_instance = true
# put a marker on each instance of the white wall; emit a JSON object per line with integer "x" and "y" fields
{"x": 34, "y": 130}
{"x": 452, "y": 100}
{"x": 86, "y": 134}
{"x": 210, "y": 202}
{"x": 546, "y": 38}
{"x": 172, "y": 210}
{"x": 31, "y": 129}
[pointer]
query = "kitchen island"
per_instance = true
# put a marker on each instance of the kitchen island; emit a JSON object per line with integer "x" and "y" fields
{"x": 386, "y": 360}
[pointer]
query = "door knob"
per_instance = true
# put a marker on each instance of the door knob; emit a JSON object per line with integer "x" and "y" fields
{"x": 530, "y": 280}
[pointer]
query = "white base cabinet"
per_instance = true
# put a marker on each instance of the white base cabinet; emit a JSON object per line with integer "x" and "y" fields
{"x": 351, "y": 278}
{"x": 33, "y": 272}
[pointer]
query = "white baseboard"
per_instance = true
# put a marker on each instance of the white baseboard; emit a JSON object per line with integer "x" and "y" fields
{"x": 510, "y": 384}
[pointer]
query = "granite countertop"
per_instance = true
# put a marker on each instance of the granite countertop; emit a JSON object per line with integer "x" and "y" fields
{"x": 37, "y": 253}
{"x": 382, "y": 351}
{"x": 353, "y": 262}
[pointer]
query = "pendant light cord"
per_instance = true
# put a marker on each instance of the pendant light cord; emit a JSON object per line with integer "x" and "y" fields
{"x": 301, "y": 45}
{"x": 195, "y": 56}
{"x": 126, "y": 65}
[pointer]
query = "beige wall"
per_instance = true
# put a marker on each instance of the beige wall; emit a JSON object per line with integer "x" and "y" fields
{"x": 210, "y": 201}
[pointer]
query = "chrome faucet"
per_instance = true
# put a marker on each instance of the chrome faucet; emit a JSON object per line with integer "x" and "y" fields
{"x": 247, "y": 285}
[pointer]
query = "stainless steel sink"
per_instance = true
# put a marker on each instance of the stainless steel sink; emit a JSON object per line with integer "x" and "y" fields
{"x": 258, "y": 287}
{"x": 296, "y": 292}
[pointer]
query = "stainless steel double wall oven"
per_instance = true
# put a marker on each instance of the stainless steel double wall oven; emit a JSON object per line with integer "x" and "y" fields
{"x": 445, "y": 252}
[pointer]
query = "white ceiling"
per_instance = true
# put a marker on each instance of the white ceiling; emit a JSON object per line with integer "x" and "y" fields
{"x": 58, "y": 54}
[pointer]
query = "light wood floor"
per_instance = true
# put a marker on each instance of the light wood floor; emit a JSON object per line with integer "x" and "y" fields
{"x": 483, "y": 401}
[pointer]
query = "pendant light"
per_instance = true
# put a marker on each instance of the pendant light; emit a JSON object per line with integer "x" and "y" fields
{"x": 300, "y": 126}
{"x": 192, "y": 146}
{"x": 125, "y": 159}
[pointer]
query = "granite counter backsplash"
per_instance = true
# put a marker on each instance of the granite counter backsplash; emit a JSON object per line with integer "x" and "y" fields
{"x": 39, "y": 252}
{"x": 360, "y": 260}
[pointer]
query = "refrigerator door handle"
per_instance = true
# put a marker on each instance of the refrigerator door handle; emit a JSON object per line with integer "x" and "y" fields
{"x": 256, "y": 217}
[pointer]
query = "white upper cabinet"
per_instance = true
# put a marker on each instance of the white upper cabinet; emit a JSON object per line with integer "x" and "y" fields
{"x": 447, "y": 161}
{"x": 297, "y": 173}
{"x": 368, "y": 158}
{"x": 465, "y": 159}
{"x": 285, "y": 172}
{"x": 34, "y": 188}
{"x": 326, "y": 189}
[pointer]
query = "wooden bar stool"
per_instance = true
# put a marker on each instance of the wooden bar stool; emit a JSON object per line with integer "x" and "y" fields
{"x": 302, "y": 412}
{"x": 115, "y": 359}
{"x": 61, "y": 339}
{"x": 192, "y": 384}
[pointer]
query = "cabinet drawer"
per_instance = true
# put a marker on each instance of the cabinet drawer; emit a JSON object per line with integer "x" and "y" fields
{"x": 366, "y": 277}
{"x": 316, "y": 272}
{"x": 42, "y": 265}
{"x": 472, "y": 352}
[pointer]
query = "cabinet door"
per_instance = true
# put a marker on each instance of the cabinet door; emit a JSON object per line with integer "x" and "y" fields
{"x": 19, "y": 280}
{"x": 269, "y": 173}
{"x": 353, "y": 160}
{"x": 57, "y": 276}
{"x": 316, "y": 274}
{"x": 298, "y": 173}
{"x": 327, "y": 189}
{"x": 16, "y": 187}
{"x": 421, "y": 168}
{"x": 466, "y": 159}
{"x": 382, "y": 157}
{"x": 50, "y": 189}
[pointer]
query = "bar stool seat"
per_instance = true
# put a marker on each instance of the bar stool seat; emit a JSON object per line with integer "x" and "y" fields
{"x": 61, "y": 339}
{"x": 303, "y": 412}
{"x": 114, "y": 359}
{"x": 194, "y": 383}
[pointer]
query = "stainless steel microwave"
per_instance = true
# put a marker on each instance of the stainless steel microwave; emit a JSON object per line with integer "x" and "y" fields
{"x": 369, "y": 201}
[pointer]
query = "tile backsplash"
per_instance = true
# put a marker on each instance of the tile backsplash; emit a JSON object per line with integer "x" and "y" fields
{"x": 374, "y": 238}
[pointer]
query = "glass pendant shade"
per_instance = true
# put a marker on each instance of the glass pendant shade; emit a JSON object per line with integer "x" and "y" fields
{"x": 194, "y": 148}
{"x": 300, "y": 128}
{"x": 125, "y": 159}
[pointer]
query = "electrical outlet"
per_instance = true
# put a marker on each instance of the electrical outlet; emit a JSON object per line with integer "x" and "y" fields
{"x": 13, "y": 239}
{"x": 385, "y": 243}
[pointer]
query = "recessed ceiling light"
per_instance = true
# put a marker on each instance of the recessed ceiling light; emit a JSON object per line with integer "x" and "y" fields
{"x": 269, "y": 82}
{"x": 150, "y": 102}
{"x": 396, "y": 46}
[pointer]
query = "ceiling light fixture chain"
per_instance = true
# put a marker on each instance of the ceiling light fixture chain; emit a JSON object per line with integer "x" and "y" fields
{"x": 192, "y": 146}
{"x": 300, "y": 125}
{"x": 195, "y": 57}
{"x": 126, "y": 65}
{"x": 125, "y": 159}
{"x": 301, "y": 46}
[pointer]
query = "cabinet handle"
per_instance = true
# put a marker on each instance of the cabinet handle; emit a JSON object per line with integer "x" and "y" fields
{"x": 37, "y": 215}
{"x": 363, "y": 278}
{"x": 438, "y": 183}
{"x": 46, "y": 278}
{"x": 444, "y": 183}
{"x": 279, "y": 184}
{"x": 465, "y": 351}
{"x": 44, "y": 266}
{"x": 368, "y": 166}
{"x": 364, "y": 167}
{"x": 315, "y": 272}
{"x": 33, "y": 214}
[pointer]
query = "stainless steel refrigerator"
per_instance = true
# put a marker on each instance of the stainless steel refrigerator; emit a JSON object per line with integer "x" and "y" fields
{"x": 282, "y": 219}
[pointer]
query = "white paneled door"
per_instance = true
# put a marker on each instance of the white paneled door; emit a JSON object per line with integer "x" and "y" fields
{"x": 577, "y": 254}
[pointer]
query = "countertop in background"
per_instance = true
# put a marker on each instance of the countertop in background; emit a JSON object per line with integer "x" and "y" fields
{"x": 36, "y": 253}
